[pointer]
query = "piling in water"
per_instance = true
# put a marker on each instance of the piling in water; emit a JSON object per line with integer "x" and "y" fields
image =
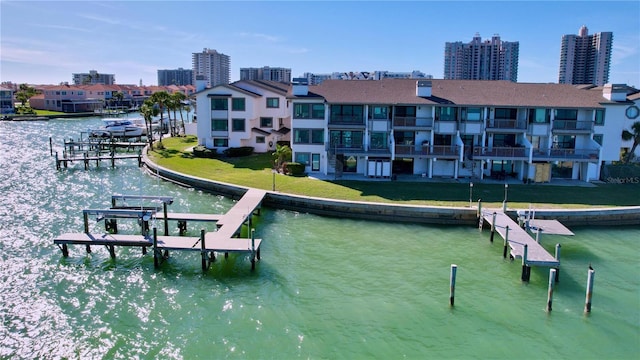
{"x": 590, "y": 276}
{"x": 452, "y": 284}
{"x": 552, "y": 277}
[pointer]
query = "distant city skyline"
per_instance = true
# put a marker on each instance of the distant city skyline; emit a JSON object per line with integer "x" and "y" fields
{"x": 47, "y": 43}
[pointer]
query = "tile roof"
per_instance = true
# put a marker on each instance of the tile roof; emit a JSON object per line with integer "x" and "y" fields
{"x": 458, "y": 92}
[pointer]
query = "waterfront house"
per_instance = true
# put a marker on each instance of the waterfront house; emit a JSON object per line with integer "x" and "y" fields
{"x": 244, "y": 113}
{"x": 457, "y": 128}
{"x": 6, "y": 100}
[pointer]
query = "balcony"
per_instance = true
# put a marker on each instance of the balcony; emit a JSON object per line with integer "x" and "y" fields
{"x": 433, "y": 151}
{"x": 506, "y": 125}
{"x": 589, "y": 155}
{"x": 413, "y": 123}
{"x": 346, "y": 121}
{"x": 572, "y": 127}
{"x": 506, "y": 152}
{"x": 344, "y": 148}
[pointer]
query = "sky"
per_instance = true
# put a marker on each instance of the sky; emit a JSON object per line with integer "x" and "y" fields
{"x": 45, "y": 42}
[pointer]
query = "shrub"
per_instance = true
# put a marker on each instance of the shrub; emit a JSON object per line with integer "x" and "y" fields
{"x": 293, "y": 168}
{"x": 239, "y": 151}
{"x": 202, "y": 152}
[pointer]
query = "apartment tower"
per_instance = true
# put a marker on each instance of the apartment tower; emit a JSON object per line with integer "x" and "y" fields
{"x": 481, "y": 60}
{"x": 178, "y": 76}
{"x": 212, "y": 67}
{"x": 584, "y": 58}
{"x": 266, "y": 73}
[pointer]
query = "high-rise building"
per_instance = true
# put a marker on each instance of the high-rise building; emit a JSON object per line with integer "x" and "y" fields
{"x": 92, "y": 78}
{"x": 177, "y": 76}
{"x": 481, "y": 60}
{"x": 266, "y": 73}
{"x": 211, "y": 66}
{"x": 584, "y": 58}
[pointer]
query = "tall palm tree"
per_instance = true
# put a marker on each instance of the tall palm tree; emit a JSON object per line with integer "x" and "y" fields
{"x": 634, "y": 135}
{"x": 148, "y": 111}
{"x": 161, "y": 99}
{"x": 178, "y": 98}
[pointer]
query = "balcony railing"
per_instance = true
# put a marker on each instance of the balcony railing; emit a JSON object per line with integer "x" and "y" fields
{"x": 346, "y": 120}
{"x": 572, "y": 125}
{"x": 500, "y": 152}
{"x": 341, "y": 148}
{"x": 506, "y": 124}
{"x": 547, "y": 154}
{"x": 447, "y": 151}
{"x": 412, "y": 121}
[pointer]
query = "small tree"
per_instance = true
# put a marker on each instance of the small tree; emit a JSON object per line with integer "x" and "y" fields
{"x": 282, "y": 154}
{"x": 634, "y": 135}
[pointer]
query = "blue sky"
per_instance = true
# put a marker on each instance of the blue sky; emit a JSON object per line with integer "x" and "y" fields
{"x": 44, "y": 42}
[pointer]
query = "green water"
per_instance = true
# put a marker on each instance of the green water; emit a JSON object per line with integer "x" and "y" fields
{"x": 325, "y": 288}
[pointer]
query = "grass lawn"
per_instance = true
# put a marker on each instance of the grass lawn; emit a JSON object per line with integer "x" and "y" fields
{"x": 255, "y": 171}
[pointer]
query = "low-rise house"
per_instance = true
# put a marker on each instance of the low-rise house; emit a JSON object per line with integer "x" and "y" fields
{"x": 6, "y": 100}
{"x": 454, "y": 128}
{"x": 251, "y": 113}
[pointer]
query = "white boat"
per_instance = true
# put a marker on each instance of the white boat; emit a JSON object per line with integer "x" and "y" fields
{"x": 117, "y": 128}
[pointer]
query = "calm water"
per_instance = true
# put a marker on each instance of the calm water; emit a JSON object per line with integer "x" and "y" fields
{"x": 324, "y": 289}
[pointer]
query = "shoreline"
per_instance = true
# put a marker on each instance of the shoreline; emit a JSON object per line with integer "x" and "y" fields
{"x": 420, "y": 214}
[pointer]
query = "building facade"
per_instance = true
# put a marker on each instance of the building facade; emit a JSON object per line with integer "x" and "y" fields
{"x": 245, "y": 113}
{"x": 212, "y": 67}
{"x": 584, "y": 58}
{"x": 456, "y": 128}
{"x": 178, "y": 76}
{"x": 92, "y": 78}
{"x": 6, "y": 100}
{"x": 266, "y": 73}
{"x": 481, "y": 60}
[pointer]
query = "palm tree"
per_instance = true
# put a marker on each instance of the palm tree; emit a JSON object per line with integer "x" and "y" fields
{"x": 634, "y": 135}
{"x": 281, "y": 155}
{"x": 162, "y": 100}
{"x": 148, "y": 111}
{"x": 178, "y": 98}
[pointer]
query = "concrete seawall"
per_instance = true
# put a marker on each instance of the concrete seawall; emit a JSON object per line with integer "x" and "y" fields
{"x": 395, "y": 212}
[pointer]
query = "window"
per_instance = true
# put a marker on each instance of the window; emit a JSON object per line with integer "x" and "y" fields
{"x": 317, "y": 136}
{"x": 317, "y": 111}
{"x": 219, "y": 104}
{"x": 446, "y": 113}
{"x": 238, "y": 125}
{"x": 80, "y": 92}
{"x": 504, "y": 140}
{"x": 598, "y": 138}
{"x": 539, "y": 116}
{"x": 351, "y": 114}
{"x": 315, "y": 162}
{"x": 566, "y": 114}
{"x": 564, "y": 142}
{"x": 219, "y": 125}
{"x": 273, "y": 103}
{"x": 346, "y": 139}
{"x": 301, "y": 136}
{"x": 600, "y": 117}
{"x": 238, "y": 104}
{"x": 506, "y": 114}
{"x": 221, "y": 142}
{"x": 260, "y": 140}
{"x": 379, "y": 140}
{"x": 308, "y": 111}
{"x": 405, "y": 111}
{"x": 266, "y": 122}
{"x": 303, "y": 158}
{"x": 379, "y": 112}
{"x": 472, "y": 114}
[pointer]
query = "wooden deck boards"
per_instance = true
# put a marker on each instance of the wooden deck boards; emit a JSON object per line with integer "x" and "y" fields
{"x": 551, "y": 227}
{"x": 190, "y": 217}
{"x": 518, "y": 237}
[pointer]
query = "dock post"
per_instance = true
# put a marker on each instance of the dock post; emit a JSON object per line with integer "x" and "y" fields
{"x": 182, "y": 226}
{"x": 155, "y": 247}
{"x": 50, "y": 146}
{"x": 86, "y": 222}
{"x": 506, "y": 243}
{"x": 557, "y": 259}
{"x": 587, "y": 304}
{"x": 253, "y": 249}
{"x": 139, "y": 157}
{"x": 166, "y": 221}
{"x": 57, "y": 162}
{"x": 203, "y": 251}
{"x": 493, "y": 226}
{"x": 552, "y": 276}
{"x": 65, "y": 250}
{"x": 452, "y": 284}
{"x": 479, "y": 212}
{"x": 88, "y": 248}
{"x": 525, "y": 268}
{"x": 86, "y": 161}
{"x": 112, "y": 251}
{"x": 538, "y": 235}
{"x": 113, "y": 159}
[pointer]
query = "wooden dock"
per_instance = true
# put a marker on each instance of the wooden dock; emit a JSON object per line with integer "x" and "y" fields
{"x": 96, "y": 149}
{"x": 225, "y": 240}
{"x": 521, "y": 244}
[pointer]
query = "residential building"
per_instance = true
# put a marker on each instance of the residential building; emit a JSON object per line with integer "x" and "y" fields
{"x": 456, "y": 128}
{"x": 6, "y": 100}
{"x": 212, "y": 67}
{"x": 93, "y": 77}
{"x": 584, "y": 58}
{"x": 481, "y": 60}
{"x": 177, "y": 76}
{"x": 316, "y": 79}
{"x": 266, "y": 73}
{"x": 245, "y": 113}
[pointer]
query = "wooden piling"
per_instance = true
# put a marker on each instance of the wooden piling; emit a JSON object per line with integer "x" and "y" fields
{"x": 552, "y": 277}
{"x": 506, "y": 243}
{"x": 203, "y": 251}
{"x": 166, "y": 221}
{"x": 452, "y": 284}
{"x": 65, "y": 250}
{"x": 587, "y": 304}
{"x": 538, "y": 235}
{"x": 479, "y": 212}
{"x": 493, "y": 226}
{"x": 557, "y": 256}
{"x": 57, "y": 162}
{"x": 155, "y": 247}
{"x": 112, "y": 251}
{"x": 50, "y": 146}
{"x": 525, "y": 268}
{"x": 253, "y": 249}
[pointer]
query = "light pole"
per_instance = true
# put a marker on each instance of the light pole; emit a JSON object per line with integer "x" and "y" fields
{"x": 470, "y": 194}
{"x": 504, "y": 204}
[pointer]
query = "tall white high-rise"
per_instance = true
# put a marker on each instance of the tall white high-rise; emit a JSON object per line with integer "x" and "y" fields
{"x": 212, "y": 67}
{"x": 584, "y": 58}
{"x": 481, "y": 60}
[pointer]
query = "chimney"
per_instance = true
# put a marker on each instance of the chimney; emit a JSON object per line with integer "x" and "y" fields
{"x": 423, "y": 88}
{"x": 615, "y": 92}
{"x": 300, "y": 86}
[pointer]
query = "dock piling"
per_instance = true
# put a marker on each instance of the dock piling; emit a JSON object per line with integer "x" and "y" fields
{"x": 558, "y": 259}
{"x": 155, "y": 247}
{"x": 590, "y": 276}
{"x": 506, "y": 243}
{"x": 525, "y": 268}
{"x": 493, "y": 226}
{"x": 452, "y": 284}
{"x": 203, "y": 251}
{"x": 552, "y": 276}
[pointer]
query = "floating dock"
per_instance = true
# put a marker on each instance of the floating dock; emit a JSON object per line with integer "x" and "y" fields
{"x": 225, "y": 240}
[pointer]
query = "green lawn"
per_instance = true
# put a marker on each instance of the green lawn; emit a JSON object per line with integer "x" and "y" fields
{"x": 255, "y": 171}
